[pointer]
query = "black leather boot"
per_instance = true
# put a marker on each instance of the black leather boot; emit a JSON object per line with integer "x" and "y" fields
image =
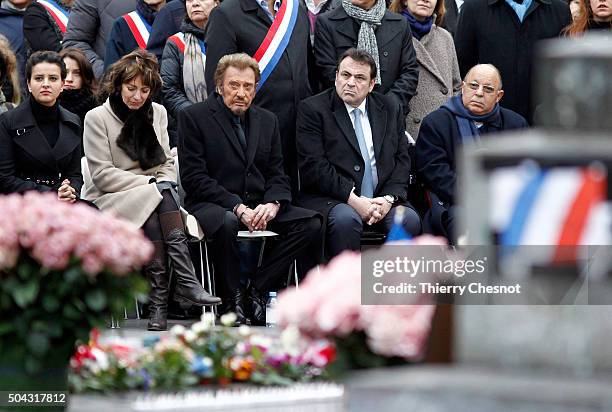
{"x": 238, "y": 304}
{"x": 258, "y": 306}
{"x": 158, "y": 296}
{"x": 188, "y": 289}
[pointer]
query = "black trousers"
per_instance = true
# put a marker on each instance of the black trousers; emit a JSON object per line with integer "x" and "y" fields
{"x": 295, "y": 241}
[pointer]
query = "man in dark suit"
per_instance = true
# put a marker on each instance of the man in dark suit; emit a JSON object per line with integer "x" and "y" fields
{"x": 369, "y": 26}
{"x": 232, "y": 173}
{"x": 353, "y": 155}
{"x": 241, "y": 26}
{"x": 475, "y": 112}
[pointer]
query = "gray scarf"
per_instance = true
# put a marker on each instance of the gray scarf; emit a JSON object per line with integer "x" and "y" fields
{"x": 369, "y": 19}
{"x": 193, "y": 70}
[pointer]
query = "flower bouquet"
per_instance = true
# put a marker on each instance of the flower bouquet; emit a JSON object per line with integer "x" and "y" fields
{"x": 201, "y": 356}
{"x": 328, "y": 305}
{"x": 64, "y": 269}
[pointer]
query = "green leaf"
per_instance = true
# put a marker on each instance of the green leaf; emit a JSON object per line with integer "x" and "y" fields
{"x": 5, "y": 328}
{"x": 25, "y": 294}
{"x": 72, "y": 274}
{"x": 71, "y": 313}
{"x": 50, "y": 303}
{"x": 24, "y": 271}
{"x": 38, "y": 343}
{"x": 96, "y": 300}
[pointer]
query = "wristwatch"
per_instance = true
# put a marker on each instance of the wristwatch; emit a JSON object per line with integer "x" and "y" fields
{"x": 390, "y": 198}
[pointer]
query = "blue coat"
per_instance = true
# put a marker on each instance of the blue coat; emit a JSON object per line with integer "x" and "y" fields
{"x": 11, "y": 27}
{"x": 436, "y": 149}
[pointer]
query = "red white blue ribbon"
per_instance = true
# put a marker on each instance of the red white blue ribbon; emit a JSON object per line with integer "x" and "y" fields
{"x": 57, "y": 13}
{"x": 179, "y": 40}
{"x": 274, "y": 44}
{"x": 561, "y": 207}
{"x": 139, "y": 27}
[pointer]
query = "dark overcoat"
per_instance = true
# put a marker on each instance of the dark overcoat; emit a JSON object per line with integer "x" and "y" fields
{"x": 27, "y": 161}
{"x": 489, "y": 31}
{"x": 241, "y": 26}
{"x": 436, "y": 148}
{"x": 217, "y": 174}
{"x": 336, "y": 32}
{"x": 330, "y": 161}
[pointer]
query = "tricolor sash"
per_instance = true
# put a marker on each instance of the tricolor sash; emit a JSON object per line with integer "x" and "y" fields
{"x": 139, "y": 27}
{"x": 274, "y": 44}
{"x": 179, "y": 40}
{"x": 559, "y": 207}
{"x": 59, "y": 15}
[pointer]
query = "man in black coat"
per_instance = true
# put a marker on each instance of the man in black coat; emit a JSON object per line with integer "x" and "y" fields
{"x": 475, "y": 112}
{"x": 353, "y": 156}
{"x": 232, "y": 173}
{"x": 336, "y": 32}
{"x": 490, "y": 31}
{"x": 241, "y": 26}
{"x": 451, "y": 15}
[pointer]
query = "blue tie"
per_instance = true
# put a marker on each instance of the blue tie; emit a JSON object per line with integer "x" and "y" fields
{"x": 367, "y": 184}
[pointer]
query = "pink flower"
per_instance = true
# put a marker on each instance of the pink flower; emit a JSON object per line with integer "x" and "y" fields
{"x": 53, "y": 232}
{"x": 328, "y": 304}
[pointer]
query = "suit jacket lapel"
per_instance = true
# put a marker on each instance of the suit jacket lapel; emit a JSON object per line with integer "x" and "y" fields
{"x": 252, "y": 135}
{"x": 344, "y": 122}
{"x": 68, "y": 140}
{"x": 424, "y": 58}
{"x": 347, "y": 28}
{"x": 378, "y": 123}
{"x": 252, "y": 7}
{"x": 221, "y": 117}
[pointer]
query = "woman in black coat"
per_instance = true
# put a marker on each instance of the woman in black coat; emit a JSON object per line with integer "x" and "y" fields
{"x": 80, "y": 85}
{"x": 40, "y": 143}
{"x": 184, "y": 59}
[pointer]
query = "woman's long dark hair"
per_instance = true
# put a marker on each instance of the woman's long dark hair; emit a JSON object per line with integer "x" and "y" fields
{"x": 87, "y": 73}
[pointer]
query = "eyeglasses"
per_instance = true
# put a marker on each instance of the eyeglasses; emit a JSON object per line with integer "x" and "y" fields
{"x": 475, "y": 86}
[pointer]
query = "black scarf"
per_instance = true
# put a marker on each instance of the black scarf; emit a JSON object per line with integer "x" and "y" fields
{"x": 78, "y": 101}
{"x": 465, "y": 119}
{"x": 138, "y": 139}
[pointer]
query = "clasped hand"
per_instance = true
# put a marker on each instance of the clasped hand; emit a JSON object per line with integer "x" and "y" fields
{"x": 258, "y": 218}
{"x": 371, "y": 210}
{"x": 66, "y": 192}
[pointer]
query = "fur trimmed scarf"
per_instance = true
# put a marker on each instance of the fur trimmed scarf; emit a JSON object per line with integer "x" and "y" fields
{"x": 138, "y": 138}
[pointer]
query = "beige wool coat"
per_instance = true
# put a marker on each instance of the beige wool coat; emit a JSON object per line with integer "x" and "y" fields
{"x": 439, "y": 77}
{"x": 116, "y": 183}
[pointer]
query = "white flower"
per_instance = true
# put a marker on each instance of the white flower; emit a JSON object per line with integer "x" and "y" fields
{"x": 101, "y": 358}
{"x": 177, "y": 330}
{"x": 261, "y": 341}
{"x": 200, "y": 327}
{"x": 291, "y": 340}
{"x": 228, "y": 319}
{"x": 190, "y": 336}
{"x": 244, "y": 330}
{"x": 240, "y": 348}
{"x": 206, "y": 361}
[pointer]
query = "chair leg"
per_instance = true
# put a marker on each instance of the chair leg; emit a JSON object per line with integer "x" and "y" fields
{"x": 295, "y": 274}
{"x": 125, "y": 315}
{"x": 261, "y": 251}
{"x": 114, "y": 323}
{"x": 209, "y": 273}
{"x": 137, "y": 308}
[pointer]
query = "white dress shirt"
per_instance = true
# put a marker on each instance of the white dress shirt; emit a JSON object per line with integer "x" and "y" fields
{"x": 367, "y": 134}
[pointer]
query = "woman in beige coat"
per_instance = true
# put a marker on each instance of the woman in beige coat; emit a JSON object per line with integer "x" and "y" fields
{"x": 439, "y": 78}
{"x": 132, "y": 174}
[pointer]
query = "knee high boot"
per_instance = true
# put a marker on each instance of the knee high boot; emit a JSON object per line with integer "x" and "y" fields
{"x": 160, "y": 282}
{"x": 188, "y": 288}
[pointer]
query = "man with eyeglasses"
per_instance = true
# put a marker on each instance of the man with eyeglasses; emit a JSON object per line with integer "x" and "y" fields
{"x": 475, "y": 112}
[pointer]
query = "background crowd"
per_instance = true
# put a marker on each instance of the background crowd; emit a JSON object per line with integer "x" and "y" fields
{"x": 405, "y": 82}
